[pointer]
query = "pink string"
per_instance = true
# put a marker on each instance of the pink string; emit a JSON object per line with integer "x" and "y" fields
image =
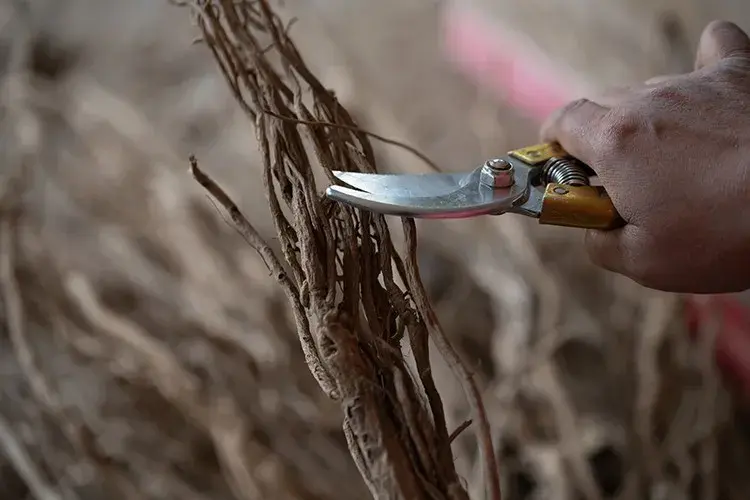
{"x": 499, "y": 64}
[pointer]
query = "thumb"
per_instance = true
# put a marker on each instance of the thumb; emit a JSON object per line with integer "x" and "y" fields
{"x": 721, "y": 39}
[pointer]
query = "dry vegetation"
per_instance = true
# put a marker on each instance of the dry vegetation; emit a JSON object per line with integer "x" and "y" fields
{"x": 342, "y": 271}
{"x": 147, "y": 352}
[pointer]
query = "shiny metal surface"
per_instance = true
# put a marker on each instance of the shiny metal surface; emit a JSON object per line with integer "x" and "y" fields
{"x": 405, "y": 185}
{"x": 432, "y": 195}
{"x": 497, "y": 173}
{"x": 561, "y": 193}
{"x": 565, "y": 171}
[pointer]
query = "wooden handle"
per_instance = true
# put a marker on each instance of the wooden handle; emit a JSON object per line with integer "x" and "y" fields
{"x": 586, "y": 207}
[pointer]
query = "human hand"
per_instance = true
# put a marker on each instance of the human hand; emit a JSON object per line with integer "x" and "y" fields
{"x": 674, "y": 156}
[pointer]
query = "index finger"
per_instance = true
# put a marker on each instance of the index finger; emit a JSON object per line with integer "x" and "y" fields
{"x": 574, "y": 127}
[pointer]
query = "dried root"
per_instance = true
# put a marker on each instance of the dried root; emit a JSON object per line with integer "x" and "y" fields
{"x": 354, "y": 298}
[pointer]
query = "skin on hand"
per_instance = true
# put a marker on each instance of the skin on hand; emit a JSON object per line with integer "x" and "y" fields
{"x": 674, "y": 156}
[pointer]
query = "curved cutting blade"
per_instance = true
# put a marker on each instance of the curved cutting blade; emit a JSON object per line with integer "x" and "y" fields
{"x": 429, "y": 195}
{"x": 406, "y": 185}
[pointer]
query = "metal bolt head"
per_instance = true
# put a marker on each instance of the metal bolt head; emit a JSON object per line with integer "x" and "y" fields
{"x": 498, "y": 164}
{"x": 560, "y": 190}
{"x": 497, "y": 173}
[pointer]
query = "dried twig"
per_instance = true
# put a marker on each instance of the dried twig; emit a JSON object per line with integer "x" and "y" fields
{"x": 14, "y": 449}
{"x": 342, "y": 267}
{"x": 219, "y": 416}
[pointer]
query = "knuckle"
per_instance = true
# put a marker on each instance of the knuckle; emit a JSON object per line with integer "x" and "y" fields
{"x": 563, "y": 119}
{"x": 734, "y": 69}
{"x": 620, "y": 130}
{"x": 576, "y": 103}
{"x": 579, "y": 108}
{"x": 720, "y": 29}
{"x": 718, "y": 25}
{"x": 738, "y": 57}
{"x": 665, "y": 93}
{"x": 568, "y": 117}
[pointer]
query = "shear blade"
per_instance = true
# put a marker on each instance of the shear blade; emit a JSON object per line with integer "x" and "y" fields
{"x": 405, "y": 185}
{"x": 425, "y": 195}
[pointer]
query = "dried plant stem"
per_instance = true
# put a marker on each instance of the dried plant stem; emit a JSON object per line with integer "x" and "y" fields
{"x": 14, "y": 449}
{"x": 219, "y": 416}
{"x": 385, "y": 140}
{"x": 248, "y": 232}
{"x": 341, "y": 265}
{"x": 454, "y": 360}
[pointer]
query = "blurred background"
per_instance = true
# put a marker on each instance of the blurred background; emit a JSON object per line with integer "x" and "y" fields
{"x": 146, "y": 351}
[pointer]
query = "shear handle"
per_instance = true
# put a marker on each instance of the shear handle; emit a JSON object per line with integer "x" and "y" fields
{"x": 588, "y": 207}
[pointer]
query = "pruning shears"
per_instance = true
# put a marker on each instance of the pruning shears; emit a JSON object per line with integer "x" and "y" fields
{"x": 541, "y": 181}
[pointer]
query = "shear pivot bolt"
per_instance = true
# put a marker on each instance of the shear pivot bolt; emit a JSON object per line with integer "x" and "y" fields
{"x": 497, "y": 173}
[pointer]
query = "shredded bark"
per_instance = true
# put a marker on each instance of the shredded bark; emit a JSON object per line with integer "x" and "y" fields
{"x": 355, "y": 298}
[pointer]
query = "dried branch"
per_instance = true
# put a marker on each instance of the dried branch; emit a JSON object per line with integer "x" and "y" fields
{"x": 343, "y": 270}
{"x": 14, "y": 449}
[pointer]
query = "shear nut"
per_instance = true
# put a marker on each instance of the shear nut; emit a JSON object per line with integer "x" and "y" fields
{"x": 497, "y": 173}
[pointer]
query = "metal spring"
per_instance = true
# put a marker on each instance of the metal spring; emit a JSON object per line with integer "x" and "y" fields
{"x": 565, "y": 171}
